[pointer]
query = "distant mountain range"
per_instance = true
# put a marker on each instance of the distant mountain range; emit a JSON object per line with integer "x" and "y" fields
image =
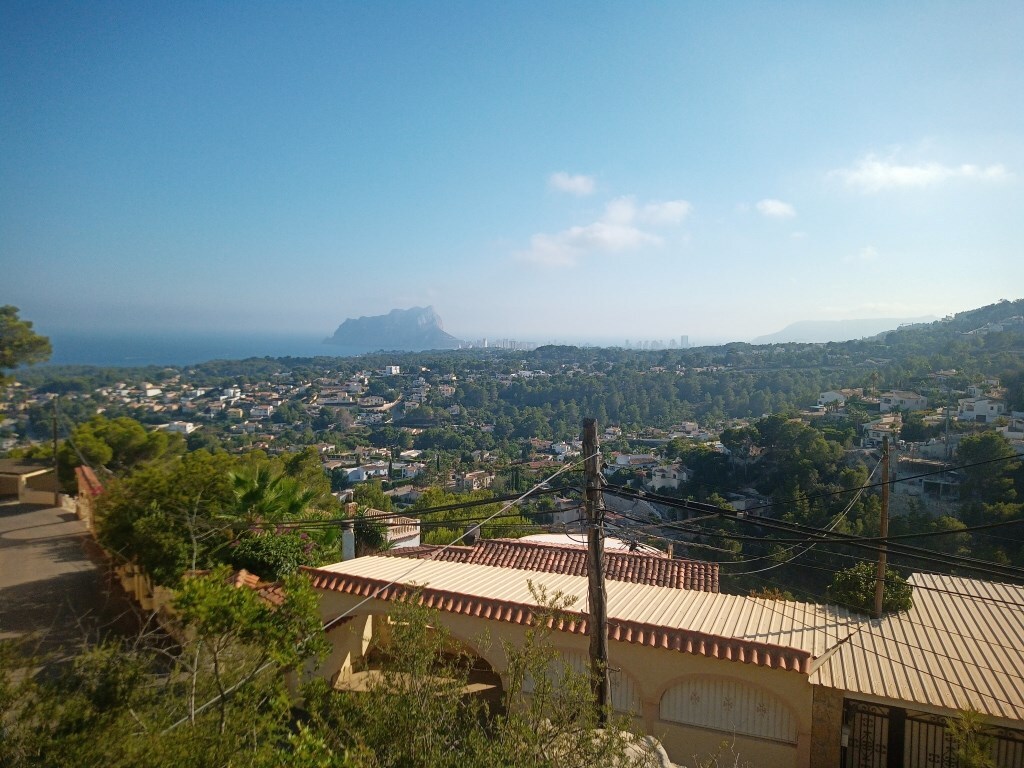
{"x": 820, "y": 331}
{"x": 400, "y": 330}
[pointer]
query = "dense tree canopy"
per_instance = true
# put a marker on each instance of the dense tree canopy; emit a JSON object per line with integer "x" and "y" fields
{"x": 201, "y": 509}
{"x": 19, "y": 344}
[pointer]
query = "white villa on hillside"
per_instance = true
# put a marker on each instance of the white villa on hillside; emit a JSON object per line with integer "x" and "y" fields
{"x": 904, "y": 401}
{"x": 980, "y": 409}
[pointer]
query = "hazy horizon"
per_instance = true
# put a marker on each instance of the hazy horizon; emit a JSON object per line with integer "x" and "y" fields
{"x": 533, "y": 171}
{"x": 133, "y": 348}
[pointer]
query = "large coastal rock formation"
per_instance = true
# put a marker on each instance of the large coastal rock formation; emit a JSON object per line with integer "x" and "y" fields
{"x": 405, "y": 330}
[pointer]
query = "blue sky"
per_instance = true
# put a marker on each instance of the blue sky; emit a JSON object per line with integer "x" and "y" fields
{"x": 544, "y": 171}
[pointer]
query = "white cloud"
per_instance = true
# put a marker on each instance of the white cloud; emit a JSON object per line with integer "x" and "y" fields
{"x": 574, "y": 184}
{"x": 873, "y": 174}
{"x": 865, "y": 255}
{"x": 615, "y": 232}
{"x": 565, "y": 248}
{"x": 776, "y": 209}
{"x": 621, "y": 210}
{"x": 668, "y": 212}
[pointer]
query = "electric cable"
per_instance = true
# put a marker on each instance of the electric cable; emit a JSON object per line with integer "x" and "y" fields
{"x": 1003, "y": 571}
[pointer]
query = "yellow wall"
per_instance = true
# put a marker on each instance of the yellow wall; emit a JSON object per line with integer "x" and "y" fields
{"x": 654, "y": 670}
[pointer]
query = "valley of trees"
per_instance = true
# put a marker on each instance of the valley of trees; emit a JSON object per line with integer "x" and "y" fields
{"x": 637, "y": 390}
{"x": 746, "y": 395}
{"x": 180, "y": 505}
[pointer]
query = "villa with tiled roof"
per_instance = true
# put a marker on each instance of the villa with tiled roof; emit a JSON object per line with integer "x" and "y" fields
{"x": 786, "y": 683}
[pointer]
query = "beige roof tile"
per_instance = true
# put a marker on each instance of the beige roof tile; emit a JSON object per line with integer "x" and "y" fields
{"x": 961, "y": 645}
{"x": 784, "y": 635}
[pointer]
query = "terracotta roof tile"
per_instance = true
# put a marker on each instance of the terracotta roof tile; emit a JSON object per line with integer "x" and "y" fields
{"x": 243, "y": 578}
{"x": 272, "y": 592}
{"x": 88, "y": 482}
{"x": 632, "y": 567}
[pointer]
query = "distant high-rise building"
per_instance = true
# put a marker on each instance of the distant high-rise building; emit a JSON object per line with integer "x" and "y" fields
{"x": 684, "y": 342}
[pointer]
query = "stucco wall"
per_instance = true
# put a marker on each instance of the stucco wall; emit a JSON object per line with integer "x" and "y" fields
{"x": 652, "y": 670}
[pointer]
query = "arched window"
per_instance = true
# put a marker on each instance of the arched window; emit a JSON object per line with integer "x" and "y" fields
{"x": 729, "y": 706}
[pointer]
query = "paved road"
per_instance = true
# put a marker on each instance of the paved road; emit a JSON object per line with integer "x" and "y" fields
{"x": 53, "y": 594}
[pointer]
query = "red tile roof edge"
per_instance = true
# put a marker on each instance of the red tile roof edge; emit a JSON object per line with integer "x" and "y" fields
{"x": 270, "y": 591}
{"x": 622, "y": 630}
{"x": 87, "y": 481}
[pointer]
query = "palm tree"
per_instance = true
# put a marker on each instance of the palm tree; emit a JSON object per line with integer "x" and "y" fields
{"x": 265, "y": 495}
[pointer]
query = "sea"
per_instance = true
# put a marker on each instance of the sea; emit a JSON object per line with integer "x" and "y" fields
{"x": 135, "y": 350}
{"x": 124, "y": 349}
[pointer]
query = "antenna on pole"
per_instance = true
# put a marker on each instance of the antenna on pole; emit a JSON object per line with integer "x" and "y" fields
{"x": 598, "y": 602}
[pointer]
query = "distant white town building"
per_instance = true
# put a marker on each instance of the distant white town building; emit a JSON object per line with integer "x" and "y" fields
{"x": 904, "y": 401}
{"x": 980, "y": 409}
{"x": 826, "y": 398}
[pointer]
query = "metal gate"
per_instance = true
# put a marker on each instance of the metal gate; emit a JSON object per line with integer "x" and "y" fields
{"x": 877, "y": 736}
{"x": 865, "y": 735}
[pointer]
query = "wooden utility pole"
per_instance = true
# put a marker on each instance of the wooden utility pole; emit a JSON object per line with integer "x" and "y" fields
{"x": 883, "y": 530}
{"x": 598, "y": 603}
{"x": 56, "y": 476}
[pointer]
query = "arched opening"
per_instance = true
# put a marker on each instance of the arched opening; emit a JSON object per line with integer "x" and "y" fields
{"x": 730, "y": 706}
{"x": 379, "y": 652}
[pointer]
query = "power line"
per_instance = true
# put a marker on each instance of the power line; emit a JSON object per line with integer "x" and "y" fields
{"x": 980, "y": 598}
{"x": 798, "y": 541}
{"x": 854, "y": 541}
{"x": 827, "y": 494}
{"x": 972, "y": 529}
{"x": 822, "y": 536}
{"x": 830, "y": 527}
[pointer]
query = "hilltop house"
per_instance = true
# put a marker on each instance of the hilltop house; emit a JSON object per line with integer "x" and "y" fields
{"x": 833, "y": 398}
{"x": 475, "y": 480}
{"x": 874, "y": 432}
{"x": 980, "y": 409}
{"x": 904, "y": 401}
{"x": 181, "y": 427}
{"x": 366, "y": 471}
{"x": 402, "y": 532}
{"x": 635, "y": 461}
{"x": 671, "y": 476}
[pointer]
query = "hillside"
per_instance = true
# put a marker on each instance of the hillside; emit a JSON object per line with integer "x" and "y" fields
{"x": 821, "y": 331}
